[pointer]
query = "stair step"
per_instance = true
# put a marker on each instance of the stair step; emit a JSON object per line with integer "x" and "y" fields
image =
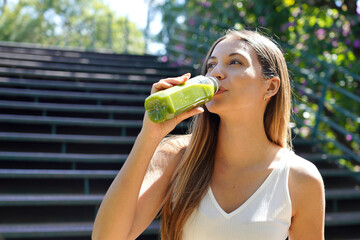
{"x": 81, "y": 86}
{"x": 342, "y": 193}
{"x": 30, "y": 48}
{"x": 46, "y": 230}
{"x": 49, "y": 199}
{"x": 338, "y": 173}
{"x": 70, "y": 67}
{"x": 74, "y": 121}
{"x": 72, "y": 95}
{"x": 55, "y": 173}
{"x": 33, "y": 182}
{"x": 66, "y": 138}
{"x": 62, "y": 157}
{"x": 300, "y": 142}
{"x": 64, "y": 75}
{"x": 321, "y": 157}
{"x": 71, "y": 107}
{"x": 140, "y": 63}
{"x": 67, "y": 229}
{"x": 94, "y": 122}
{"x": 342, "y": 218}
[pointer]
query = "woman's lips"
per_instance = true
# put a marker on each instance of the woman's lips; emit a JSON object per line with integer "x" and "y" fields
{"x": 221, "y": 90}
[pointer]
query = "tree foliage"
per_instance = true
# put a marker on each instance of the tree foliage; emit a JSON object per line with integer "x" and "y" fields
{"x": 90, "y": 24}
{"x": 321, "y": 39}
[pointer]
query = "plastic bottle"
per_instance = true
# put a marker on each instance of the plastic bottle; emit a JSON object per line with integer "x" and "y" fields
{"x": 166, "y": 104}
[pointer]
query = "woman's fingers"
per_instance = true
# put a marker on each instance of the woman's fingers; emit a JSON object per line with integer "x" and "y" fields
{"x": 188, "y": 114}
{"x": 169, "y": 82}
{"x": 178, "y": 80}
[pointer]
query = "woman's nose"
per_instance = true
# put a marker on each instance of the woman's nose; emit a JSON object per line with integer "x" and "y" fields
{"x": 218, "y": 72}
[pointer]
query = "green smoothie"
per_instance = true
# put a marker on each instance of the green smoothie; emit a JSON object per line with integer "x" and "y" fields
{"x": 166, "y": 104}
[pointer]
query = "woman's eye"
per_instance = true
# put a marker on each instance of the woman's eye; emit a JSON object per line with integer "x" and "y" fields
{"x": 210, "y": 65}
{"x": 235, "y": 62}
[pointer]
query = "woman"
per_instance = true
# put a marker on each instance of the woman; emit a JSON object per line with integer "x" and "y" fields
{"x": 234, "y": 176}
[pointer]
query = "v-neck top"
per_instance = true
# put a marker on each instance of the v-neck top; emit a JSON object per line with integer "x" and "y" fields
{"x": 265, "y": 215}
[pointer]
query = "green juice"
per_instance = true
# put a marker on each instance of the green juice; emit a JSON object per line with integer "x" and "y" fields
{"x": 166, "y": 104}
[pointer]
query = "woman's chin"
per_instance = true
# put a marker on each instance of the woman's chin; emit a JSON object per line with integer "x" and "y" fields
{"x": 212, "y": 106}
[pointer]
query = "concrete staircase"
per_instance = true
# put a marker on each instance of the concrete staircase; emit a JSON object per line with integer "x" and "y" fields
{"x": 69, "y": 118}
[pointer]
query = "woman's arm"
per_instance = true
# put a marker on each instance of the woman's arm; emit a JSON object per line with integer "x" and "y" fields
{"x": 116, "y": 214}
{"x": 308, "y": 200}
{"x": 136, "y": 194}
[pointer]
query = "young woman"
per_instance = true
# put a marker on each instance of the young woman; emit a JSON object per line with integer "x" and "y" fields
{"x": 235, "y": 175}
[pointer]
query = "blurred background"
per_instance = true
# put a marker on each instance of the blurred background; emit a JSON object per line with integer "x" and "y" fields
{"x": 74, "y": 75}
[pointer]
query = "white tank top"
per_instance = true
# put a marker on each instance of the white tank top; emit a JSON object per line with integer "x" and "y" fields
{"x": 265, "y": 215}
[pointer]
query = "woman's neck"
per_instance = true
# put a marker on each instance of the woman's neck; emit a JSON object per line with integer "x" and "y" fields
{"x": 243, "y": 142}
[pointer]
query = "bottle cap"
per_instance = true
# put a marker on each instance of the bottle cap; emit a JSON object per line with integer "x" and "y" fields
{"x": 206, "y": 80}
{"x": 215, "y": 83}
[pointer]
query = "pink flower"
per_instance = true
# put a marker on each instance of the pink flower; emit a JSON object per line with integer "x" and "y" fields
{"x": 357, "y": 43}
{"x": 296, "y": 12}
{"x": 262, "y": 20}
{"x": 187, "y": 61}
{"x": 285, "y": 26}
{"x": 180, "y": 47}
{"x": 299, "y": 46}
{"x": 164, "y": 59}
{"x": 346, "y": 29}
{"x": 320, "y": 33}
{"x": 206, "y": 4}
{"x": 348, "y": 137}
{"x": 191, "y": 21}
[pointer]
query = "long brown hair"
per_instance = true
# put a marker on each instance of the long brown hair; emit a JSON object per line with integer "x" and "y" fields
{"x": 192, "y": 176}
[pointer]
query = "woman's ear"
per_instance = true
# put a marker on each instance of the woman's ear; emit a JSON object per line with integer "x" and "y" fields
{"x": 273, "y": 85}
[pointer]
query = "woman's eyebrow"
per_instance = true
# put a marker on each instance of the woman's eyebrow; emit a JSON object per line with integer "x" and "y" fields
{"x": 239, "y": 54}
{"x": 235, "y": 53}
{"x": 230, "y": 55}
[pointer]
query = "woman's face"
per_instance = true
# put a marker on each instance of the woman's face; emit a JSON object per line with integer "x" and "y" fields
{"x": 242, "y": 85}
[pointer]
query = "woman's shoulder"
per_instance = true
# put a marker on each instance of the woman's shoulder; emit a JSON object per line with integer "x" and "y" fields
{"x": 168, "y": 154}
{"x": 304, "y": 180}
{"x": 303, "y": 170}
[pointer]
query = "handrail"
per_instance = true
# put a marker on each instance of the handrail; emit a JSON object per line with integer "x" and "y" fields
{"x": 339, "y": 145}
{"x": 331, "y": 85}
{"x": 341, "y": 110}
{"x": 330, "y": 65}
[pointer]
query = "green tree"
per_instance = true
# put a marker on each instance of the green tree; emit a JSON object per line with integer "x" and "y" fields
{"x": 76, "y": 23}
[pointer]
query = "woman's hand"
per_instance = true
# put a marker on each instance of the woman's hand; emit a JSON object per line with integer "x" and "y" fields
{"x": 164, "y": 128}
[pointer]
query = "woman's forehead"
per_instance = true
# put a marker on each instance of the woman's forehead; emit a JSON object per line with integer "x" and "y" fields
{"x": 233, "y": 45}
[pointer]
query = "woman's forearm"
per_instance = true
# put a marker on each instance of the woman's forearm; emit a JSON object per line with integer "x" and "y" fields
{"x": 117, "y": 211}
